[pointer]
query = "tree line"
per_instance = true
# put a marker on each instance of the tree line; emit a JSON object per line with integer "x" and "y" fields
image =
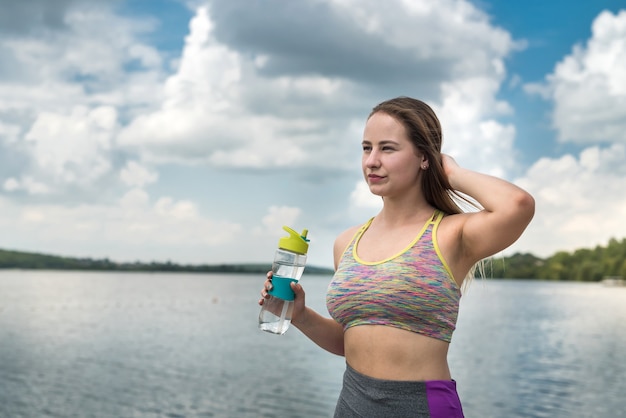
{"x": 35, "y": 261}
{"x": 586, "y": 264}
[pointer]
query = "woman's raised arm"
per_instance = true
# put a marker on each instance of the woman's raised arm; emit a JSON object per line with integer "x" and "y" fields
{"x": 507, "y": 211}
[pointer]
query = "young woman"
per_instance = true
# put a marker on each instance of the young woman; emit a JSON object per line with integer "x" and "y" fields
{"x": 394, "y": 298}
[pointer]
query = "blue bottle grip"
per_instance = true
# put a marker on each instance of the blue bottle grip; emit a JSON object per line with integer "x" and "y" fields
{"x": 281, "y": 288}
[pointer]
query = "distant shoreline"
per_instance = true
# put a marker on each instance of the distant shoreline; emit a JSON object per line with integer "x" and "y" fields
{"x": 35, "y": 261}
{"x": 582, "y": 265}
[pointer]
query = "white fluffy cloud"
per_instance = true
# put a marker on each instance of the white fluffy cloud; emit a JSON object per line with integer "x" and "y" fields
{"x": 204, "y": 115}
{"x": 361, "y": 197}
{"x": 471, "y": 132}
{"x": 135, "y": 227}
{"x": 580, "y": 200}
{"x": 452, "y": 32}
{"x": 588, "y": 86}
{"x": 210, "y": 107}
{"x": 277, "y": 217}
{"x": 136, "y": 175}
{"x": 73, "y": 148}
{"x": 98, "y": 109}
{"x": 62, "y": 102}
{"x": 211, "y": 110}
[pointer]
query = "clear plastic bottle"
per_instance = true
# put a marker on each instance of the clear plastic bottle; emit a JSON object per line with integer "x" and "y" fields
{"x": 288, "y": 266}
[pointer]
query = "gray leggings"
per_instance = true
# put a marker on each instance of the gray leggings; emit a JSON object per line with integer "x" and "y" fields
{"x": 366, "y": 397}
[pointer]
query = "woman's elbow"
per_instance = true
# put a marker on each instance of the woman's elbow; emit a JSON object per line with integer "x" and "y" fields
{"x": 524, "y": 205}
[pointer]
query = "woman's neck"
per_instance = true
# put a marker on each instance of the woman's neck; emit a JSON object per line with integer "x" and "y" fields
{"x": 402, "y": 212}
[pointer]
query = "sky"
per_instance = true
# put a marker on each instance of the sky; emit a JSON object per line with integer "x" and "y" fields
{"x": 192, "y": 131}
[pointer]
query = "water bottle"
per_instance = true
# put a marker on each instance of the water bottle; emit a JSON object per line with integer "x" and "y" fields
{"x": 288, "y": 265}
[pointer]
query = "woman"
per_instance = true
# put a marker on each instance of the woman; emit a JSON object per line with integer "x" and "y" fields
{"x": 395, "y": 294}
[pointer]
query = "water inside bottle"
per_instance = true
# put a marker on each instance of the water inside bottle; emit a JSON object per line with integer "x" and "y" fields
{"x": 275, "y": 327}
{"x": 288, "y": 264}
{"x": 288, "y": 270}
{"x": 275, "y": 315}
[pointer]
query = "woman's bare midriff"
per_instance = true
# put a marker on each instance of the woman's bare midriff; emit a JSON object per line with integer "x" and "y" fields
{"x": 385, "y": 352}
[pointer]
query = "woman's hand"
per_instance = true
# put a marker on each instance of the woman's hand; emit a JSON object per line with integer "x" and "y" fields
{"x": 506, "y": 211}
{"x": 325, "y": 332}
{"x": 299, "y": 306}
{"x": 449, "y": 167}
{"x": 267, "y": 286}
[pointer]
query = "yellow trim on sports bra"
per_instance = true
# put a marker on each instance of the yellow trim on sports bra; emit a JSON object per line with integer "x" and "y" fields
{"x": 361, "y": 231}
{"x": 436, "y": 223}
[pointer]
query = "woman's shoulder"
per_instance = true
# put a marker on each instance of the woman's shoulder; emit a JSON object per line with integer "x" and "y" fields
{"x": 343, "y": 239}
{"x": 452, "y": 224}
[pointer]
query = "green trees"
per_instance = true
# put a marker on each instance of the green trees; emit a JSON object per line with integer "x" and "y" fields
{"x": 33, "y": 261}
{"x": 587, "y": 265}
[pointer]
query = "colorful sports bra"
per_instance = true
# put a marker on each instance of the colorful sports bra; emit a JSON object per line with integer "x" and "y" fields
{"x": 413, "y": 290}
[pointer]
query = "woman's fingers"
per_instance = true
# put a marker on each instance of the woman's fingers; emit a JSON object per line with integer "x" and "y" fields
{"x": 267, "y": 286}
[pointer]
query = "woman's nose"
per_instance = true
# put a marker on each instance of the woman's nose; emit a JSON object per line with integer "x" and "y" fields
{"x": 372, "y": 159}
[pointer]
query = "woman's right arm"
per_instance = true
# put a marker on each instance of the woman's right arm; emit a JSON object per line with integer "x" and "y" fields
{"x": 325, "y": 332}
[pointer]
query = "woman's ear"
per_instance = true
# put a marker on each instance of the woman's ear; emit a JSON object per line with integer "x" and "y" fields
{"x": 424, "y": 163}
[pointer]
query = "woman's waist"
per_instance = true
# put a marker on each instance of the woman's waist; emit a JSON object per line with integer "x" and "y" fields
{"x": 385, "y": 352}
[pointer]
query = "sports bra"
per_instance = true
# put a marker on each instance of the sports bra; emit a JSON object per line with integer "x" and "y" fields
{"x": 413, "y": 290}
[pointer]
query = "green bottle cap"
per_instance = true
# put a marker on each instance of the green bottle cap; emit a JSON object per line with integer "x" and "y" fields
{"x": 297, "y": 243}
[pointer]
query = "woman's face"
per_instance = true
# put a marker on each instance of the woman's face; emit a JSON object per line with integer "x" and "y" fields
{"x": 391, "y": 164}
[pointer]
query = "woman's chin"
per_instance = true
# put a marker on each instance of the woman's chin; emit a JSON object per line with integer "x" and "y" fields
{"x": 375, "y": 190}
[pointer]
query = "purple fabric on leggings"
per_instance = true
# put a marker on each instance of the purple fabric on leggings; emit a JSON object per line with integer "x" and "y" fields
{"x": 443, "y": 399}
{"x": 365, "y": 396}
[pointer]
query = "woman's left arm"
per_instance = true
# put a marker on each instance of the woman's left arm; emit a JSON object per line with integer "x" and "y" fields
{"x": 507, "y": 211}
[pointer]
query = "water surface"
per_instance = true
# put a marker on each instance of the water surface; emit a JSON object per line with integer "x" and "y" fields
{"x": 83, "y": 344}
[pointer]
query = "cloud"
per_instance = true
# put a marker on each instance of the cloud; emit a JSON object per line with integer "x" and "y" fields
{"x": 361, "y": 40}
{"x": 257, "y": 88}
{"x": 580, "y": 200}
{"x": 66, "y": 94}
{"x": 136, "y": 227}
{"x": 229, "y": 104}
{"x": 85, "y": 53}
{"x": 588, "y": 87}
{"x": 9, "y": 132}
{"x": 204, "y": 117}
{"x": 276, "y": 218}
{"x": 472, "y": 133}
{"x": 136, "y": 175}
{"x": 361, "y": 197}
{"x": 260, "y": 94}
{"x": 27, "y": 15}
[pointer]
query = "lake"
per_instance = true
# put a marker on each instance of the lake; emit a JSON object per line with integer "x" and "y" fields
{"x": 86, "y": 344}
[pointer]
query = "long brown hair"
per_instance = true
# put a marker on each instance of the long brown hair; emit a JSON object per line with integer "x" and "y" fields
{"x": 424, "y": 130}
